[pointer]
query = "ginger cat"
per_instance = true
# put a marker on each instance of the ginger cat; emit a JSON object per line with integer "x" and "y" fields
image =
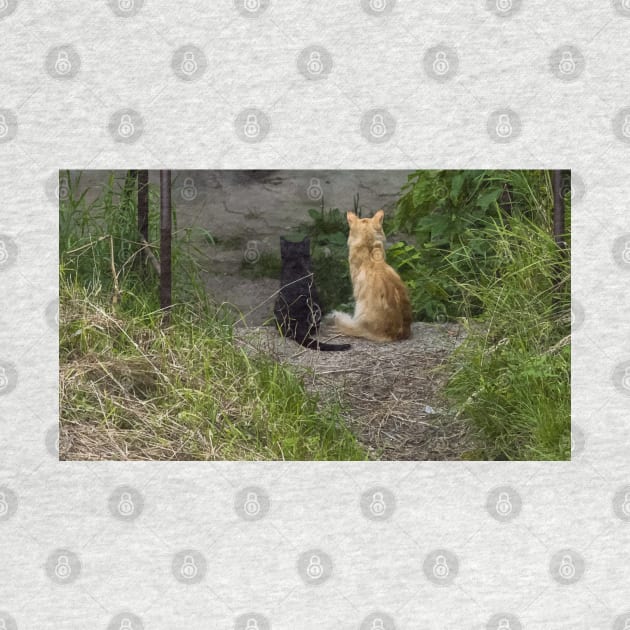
{"x": 382, "y": 311}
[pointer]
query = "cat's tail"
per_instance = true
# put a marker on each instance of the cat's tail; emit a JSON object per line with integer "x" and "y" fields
{"x": 314, "y": 344}
{"x": 349, "y": 326}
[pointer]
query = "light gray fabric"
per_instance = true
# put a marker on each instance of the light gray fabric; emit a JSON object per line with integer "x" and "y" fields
{"x": 391, "y": 85}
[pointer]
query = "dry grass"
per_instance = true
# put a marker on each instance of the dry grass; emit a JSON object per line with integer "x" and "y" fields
{"x": 390, "y": 392}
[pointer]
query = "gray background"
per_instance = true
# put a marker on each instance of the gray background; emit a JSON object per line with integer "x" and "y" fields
{"x": 501, "y": 93}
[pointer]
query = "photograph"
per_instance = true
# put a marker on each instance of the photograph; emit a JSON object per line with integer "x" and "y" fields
{"x": 314, "y": 315}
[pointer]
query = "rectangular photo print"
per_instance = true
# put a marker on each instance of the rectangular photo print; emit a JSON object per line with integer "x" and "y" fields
{"x": 315, "y": 315}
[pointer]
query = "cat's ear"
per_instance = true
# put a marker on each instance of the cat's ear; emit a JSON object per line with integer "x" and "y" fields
{"x": 378, "y": 218}
{"x": 351, "y": 218}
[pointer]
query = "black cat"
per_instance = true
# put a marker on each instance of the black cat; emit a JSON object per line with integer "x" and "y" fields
{"x": 297, "y": 309}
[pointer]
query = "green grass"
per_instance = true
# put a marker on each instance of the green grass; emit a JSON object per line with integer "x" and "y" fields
{"x": 132, "y": 387}
{"x": 511, "y": 376}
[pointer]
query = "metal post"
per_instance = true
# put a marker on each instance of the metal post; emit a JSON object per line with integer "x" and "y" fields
{"x": 558, "y": 209}
{"x": 165, "y": 242}
{"x": 143, "y": 209}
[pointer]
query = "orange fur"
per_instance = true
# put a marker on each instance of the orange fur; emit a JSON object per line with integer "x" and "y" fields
{"x": 382, "y": 311}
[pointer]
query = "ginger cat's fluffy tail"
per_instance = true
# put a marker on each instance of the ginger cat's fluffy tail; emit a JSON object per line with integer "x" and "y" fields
{"x": 383, "y": 310}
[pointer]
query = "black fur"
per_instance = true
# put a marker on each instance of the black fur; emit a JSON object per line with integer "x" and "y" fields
{"x": 297, "y": 310}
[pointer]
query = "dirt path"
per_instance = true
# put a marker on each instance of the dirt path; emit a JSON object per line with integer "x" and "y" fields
{"x": 390, "y": 392}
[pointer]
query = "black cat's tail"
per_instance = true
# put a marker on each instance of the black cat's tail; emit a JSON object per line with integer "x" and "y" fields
{"x": 314, "y": 344}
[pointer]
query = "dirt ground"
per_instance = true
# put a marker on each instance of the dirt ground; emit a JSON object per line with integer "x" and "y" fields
{"x": 390, "y": 392}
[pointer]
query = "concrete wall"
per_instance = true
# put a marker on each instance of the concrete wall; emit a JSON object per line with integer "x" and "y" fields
{"x": 260, "y": 205}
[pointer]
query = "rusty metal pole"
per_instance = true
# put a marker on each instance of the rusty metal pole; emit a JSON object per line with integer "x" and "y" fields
{"x": 165, "y": 243}
{"x": 143, "y": 204}
{"x": 558, "y": 209}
